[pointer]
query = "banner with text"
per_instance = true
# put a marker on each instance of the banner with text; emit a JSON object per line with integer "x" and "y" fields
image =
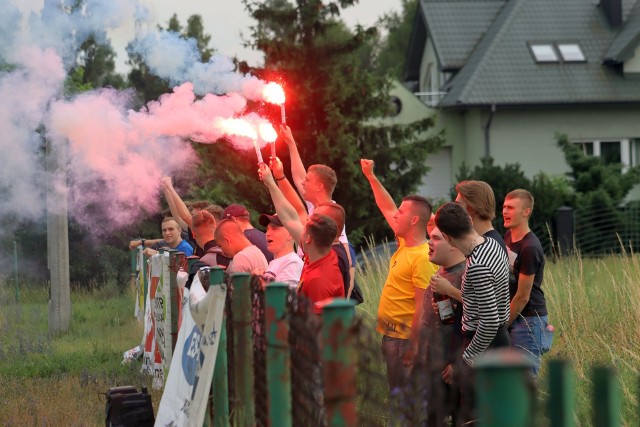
{"x": 184, "y": 399}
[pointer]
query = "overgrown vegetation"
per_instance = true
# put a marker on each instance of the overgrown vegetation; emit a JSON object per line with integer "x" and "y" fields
{"x": 60, "y": 380}
{"x": 595, "y": 189}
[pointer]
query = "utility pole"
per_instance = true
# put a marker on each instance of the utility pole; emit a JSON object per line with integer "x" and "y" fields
{"x": 58, "y": 239}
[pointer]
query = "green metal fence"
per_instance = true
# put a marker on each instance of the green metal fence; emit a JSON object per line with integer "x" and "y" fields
{"x": 279, "y": 364}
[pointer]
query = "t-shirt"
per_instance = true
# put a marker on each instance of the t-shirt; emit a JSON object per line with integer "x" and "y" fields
{"x": 183, "y": 247}
{"x": 321, "y": 279}
{"x": 453, "y": 275}
{"x": 259, "y": 239}
{"x": 286, "y": 269}
{"x": 498, "y": 238}
{"x": 343, "y": 236}
{"x": 409, "y": 268}
{"x": 526, "y": 256}
{"x": 247, "y": 260}
{"x": 485, "y": 296}
{"x": 442, "y": 340}
{"x": 212, "y": 255}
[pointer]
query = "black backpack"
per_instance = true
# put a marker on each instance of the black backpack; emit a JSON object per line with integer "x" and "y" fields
{"x": 126, "y": 407}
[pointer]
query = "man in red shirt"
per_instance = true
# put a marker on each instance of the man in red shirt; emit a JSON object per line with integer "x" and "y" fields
{"x": 321, "y": 277}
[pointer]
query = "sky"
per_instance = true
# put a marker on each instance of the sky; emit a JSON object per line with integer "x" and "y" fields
{"x": 226, "y": 20}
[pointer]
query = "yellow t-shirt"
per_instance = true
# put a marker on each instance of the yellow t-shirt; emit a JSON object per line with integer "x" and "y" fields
{"x": 409, "y": 268}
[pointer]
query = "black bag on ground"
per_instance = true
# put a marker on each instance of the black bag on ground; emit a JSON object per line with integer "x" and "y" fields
{"x": 126, "y": 407}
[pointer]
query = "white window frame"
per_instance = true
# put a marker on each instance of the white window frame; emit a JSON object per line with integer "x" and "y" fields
{"x": 628, "y": 150}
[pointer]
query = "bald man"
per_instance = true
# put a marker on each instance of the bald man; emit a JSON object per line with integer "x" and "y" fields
{"x": 245, "y": 257}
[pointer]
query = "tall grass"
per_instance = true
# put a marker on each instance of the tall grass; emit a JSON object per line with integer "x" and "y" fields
{"x": 57, "y": 381}
{"x": 595, "y": 307}
{"x": 594, "y": 304}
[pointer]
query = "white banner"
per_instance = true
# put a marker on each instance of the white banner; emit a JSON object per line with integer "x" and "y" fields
{"x": 184, "y": 400}
{"x": 152, "y": 358}
{"x": 162, "y": 316}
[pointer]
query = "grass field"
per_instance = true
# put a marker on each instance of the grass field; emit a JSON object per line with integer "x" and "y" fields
{"x": 60, "y": 381}
{"x": 593, "y": 303}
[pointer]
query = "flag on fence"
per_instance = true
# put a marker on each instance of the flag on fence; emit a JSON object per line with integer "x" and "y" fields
{"x": 184, "y": 399}
{"x": 152, "y": 359}
{"x": 139, "y": 285}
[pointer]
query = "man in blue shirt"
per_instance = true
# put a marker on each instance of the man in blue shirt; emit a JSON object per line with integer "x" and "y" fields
{"x": 171, "y": 239}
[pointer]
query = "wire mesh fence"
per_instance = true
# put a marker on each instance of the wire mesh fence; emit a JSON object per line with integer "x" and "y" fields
{"x": 306, "y": 371}
{"x": 607, "y": 231}
{"x": 259, "y": 351}
{"x": 228, "y": 312}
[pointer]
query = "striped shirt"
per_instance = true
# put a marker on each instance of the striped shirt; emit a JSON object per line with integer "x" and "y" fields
{"x": 485, "y": 296}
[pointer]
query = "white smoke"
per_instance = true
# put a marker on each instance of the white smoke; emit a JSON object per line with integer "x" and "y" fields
{"x": 115, "y": 156}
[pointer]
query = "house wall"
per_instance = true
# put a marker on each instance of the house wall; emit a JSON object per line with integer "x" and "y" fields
{"x": 528, "y": 136}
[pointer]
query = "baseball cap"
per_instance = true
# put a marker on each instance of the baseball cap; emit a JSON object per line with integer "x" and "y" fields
{"x": 265, "y": 220}
{"x": 235, "y": 211}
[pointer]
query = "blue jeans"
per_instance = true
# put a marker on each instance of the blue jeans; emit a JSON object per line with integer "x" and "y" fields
{"x": 530, "y": 335}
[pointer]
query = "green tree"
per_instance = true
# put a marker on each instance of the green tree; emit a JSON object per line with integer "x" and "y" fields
{"x": 549, "y": 192}
{"x": 334, "y": 98}
{"x": 97, "y": 60}
{"x": 600, "y": 190}
{"x": 395, "y": 46}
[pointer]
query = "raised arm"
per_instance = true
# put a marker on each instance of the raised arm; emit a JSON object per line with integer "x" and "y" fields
{"x": 298, "y": 172}
{"x": 383, "y": 199}
{"x": 287, "y": 189}
{"x": 286, "y": 213}
{"x": 179, "y": 210}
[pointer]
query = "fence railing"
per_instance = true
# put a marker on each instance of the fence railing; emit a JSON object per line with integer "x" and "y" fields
{"x": 278, "y": 363}
{"x": 590, "y": 232}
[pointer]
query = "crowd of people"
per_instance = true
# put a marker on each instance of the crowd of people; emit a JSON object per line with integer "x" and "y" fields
{"x": 455, "y": 286}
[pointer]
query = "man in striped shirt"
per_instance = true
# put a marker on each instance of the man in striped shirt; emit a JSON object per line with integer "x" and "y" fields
{"x": 485, "y": 293}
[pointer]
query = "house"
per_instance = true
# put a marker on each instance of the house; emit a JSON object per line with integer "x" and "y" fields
{"x": 506, "y": 76}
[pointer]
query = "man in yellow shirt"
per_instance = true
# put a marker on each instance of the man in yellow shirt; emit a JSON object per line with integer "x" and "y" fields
{"x": 410, "y": 270}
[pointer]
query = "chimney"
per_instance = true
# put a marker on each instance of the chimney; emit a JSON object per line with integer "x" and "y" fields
{"x": 613, "y": 11}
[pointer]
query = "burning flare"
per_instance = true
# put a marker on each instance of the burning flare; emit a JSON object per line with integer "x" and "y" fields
{"x": 267, "y": 132}
{"x": 274, "y": 93}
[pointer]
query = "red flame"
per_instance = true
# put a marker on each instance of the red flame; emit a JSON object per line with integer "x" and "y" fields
{"x": 267, "y": 132}
{"x": 273, "y": 93}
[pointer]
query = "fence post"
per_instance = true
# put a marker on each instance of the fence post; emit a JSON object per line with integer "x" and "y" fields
{"x": 564, "y": 230}
{"x": 220, "y": 380}
{"x": 505, "y": 392}
{"x": 339, "y": 363}
{"x": 278, "y": 359}
{"x": 176, "y": 260}
{"x": 561, "y": 394}
{"x": 606, "y": 397}
{"x": 244, "y": 413}
{"x": 15, "y": 270}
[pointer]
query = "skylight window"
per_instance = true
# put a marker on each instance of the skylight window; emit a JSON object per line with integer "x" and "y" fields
{"x": 544, "y": 53}
{"x": 571, "y": 52}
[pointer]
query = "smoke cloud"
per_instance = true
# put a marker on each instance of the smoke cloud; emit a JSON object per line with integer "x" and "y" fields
{"x": 113, "y": 156}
